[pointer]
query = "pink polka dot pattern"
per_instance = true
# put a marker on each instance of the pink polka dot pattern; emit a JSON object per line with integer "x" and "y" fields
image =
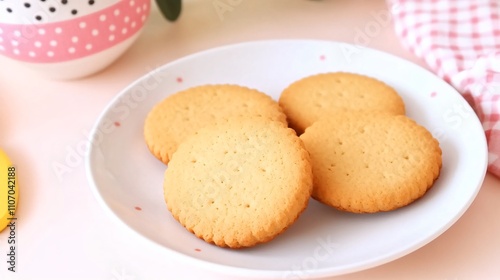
{"x": 76, "y": 38}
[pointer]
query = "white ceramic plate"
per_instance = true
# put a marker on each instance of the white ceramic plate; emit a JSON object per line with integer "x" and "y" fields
{"x": 323, "y": 242}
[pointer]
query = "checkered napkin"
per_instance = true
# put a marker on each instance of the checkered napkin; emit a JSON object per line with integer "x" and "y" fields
{"x": 460, "y": 41}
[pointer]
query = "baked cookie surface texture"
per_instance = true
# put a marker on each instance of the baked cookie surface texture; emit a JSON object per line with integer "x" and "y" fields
{"x": 371, "y": 162}
{"x": 239, "y": 183}
{"x": 181, "y": 114}
{"x": 305, "y": 100}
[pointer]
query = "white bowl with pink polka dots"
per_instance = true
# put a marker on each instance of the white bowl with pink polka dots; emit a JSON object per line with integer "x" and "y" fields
{"x": 68, "y": 39}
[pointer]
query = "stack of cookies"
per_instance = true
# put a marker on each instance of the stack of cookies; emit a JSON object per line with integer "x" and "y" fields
{"x": 367, "y": 156}
{"x": 238, "y": 175}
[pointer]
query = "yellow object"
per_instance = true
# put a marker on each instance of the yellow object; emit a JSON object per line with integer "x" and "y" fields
{"x": 9, "y": 192}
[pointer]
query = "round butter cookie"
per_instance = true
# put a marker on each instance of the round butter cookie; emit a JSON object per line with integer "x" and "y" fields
{"x": 371, "y": 162}
{"x": 305, "y": 100}
{"x": 181, "y": 114}
{"x": 239, "y": 183}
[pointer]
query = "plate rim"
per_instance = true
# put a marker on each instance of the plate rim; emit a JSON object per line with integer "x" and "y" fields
{"x": 258, "y": 273}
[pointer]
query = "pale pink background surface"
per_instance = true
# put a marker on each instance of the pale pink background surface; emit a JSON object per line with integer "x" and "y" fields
{"x": 64, "y": 234}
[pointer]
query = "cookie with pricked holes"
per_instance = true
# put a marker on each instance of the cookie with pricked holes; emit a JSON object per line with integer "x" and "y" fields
{"x": 239, "y": 183}
{"x": 305, "y": 100}
{"x": 371, "y": 162}
{"x": 180, "y": 115}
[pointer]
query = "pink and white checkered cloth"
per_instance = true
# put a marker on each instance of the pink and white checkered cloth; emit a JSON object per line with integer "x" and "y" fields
{"x": 460, "y": 41}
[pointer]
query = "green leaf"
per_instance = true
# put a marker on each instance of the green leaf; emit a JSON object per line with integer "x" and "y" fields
{"x": 171, "y": 9}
